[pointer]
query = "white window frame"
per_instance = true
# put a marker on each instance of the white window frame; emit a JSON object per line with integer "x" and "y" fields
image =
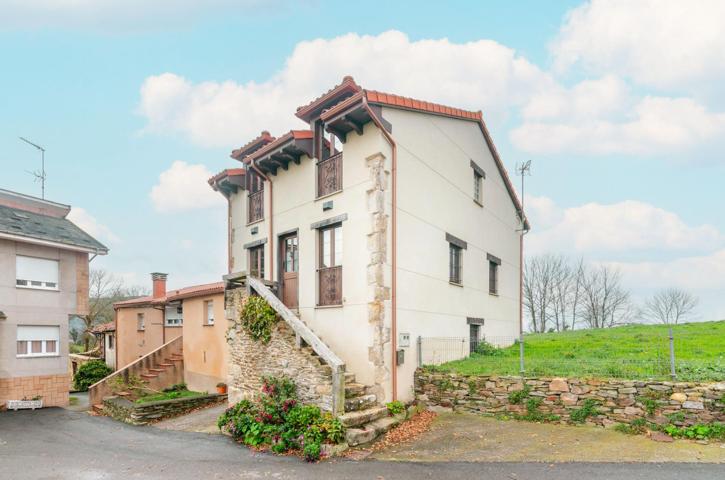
{"x": 176, "y": 320}
{"x": 34, "y": 283}
{"x": 209, "y": 308}
{"x": 38, "y": 338}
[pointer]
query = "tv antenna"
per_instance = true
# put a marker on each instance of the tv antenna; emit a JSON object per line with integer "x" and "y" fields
{"x": 524, "y": 170}
{"x": 38, "y": 174}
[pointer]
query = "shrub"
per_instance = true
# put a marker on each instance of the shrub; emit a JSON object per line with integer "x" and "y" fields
{"x": 649, "y": 404}
{"x": 258, "y": 318}
{"x": 275, "y": 420}
{"x": 588, "y": 409}
{"x": 517, "y": 397}
{"x": 177, "y": 387}
{"x": 698, "y": 432}
{"x": 395, "y": 407}
{"x": 487, "y": 349}
{"x": 90, "y": 373}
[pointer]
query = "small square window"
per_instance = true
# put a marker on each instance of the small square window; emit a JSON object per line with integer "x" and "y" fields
{"x": 209, "y": 307}
{"x": 140, "y": 322}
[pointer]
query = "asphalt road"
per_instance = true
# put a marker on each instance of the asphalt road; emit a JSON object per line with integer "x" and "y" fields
{"x": 62, "y": 444}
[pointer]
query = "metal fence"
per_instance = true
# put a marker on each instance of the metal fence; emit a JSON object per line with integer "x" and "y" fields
{"x": 663, "y": 356}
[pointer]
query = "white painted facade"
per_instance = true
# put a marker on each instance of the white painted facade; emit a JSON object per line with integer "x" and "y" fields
{"x": 435, "y": 197}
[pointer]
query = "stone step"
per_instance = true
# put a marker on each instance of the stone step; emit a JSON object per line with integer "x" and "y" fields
{"x": 156, "y": 370}
{"x": 98, "y": 408}
{"x": 371, "y": 431}
{"x": 361, "y": 417}
{"x": 166, "y": 364}
{"x": 349, "y": 377}
{"x": 361, "y": 402}
{"x": 123, "y": 394}
{"x": 148, "y": 375}
{"x": 354, "y": 389}
{"x": 174, "y": 359}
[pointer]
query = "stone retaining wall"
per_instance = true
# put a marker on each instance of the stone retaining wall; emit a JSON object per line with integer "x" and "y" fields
{"x": 618, "y": 401}
{"x": 250, "y": 360}
{"x": 141, "y": 414}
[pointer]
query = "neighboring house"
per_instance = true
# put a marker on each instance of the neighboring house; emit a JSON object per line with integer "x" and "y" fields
{"x": 106, "y": 340}
{"x": 411, "y": 229}
{"x": 145, "y": 324}
{"x": 43, "y": 282}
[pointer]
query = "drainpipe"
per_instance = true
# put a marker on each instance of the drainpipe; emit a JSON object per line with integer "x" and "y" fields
{"x": 115, "y": 333}
{"x": 253, "y": 164}
{"x": 229, "y": 233}
{"x": 394, "y": 287}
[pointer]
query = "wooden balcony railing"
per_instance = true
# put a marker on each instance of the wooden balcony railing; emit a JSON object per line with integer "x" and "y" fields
{"x": 329, "y": 175}
{"x": 255, "y": 206}
{"x": 330, "y": 286}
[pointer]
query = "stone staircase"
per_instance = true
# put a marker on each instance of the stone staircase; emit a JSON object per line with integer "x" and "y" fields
{"x": 158, "y": 369}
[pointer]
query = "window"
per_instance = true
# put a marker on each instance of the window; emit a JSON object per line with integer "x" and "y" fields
{"x": 329, "y": 175}
{"x": 477, "y": 187}
{"x": 474, "y": 334}
{"x": 110, "y": 341}
{"x": 174, "y": 316}
{"x": 37, "y": 341}
{"x": 256, "y": 262}
{"x": 454, "y": 263}
{"x": 330, "y": 265}
{"x": 140, "y": 325}
{"x": 31, "y": 272}
{"x": 209, "y": 309}
{"x": 493, "y": 266}
{"x": 255, "y": 199}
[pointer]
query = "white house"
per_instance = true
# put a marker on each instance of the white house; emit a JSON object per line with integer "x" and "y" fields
{"x": 403, "y": 223}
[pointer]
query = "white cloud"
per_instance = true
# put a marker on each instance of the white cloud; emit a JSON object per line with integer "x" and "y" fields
{"x": 90, "y": 225}
{"x": 628, "y": 226}
{"x": 661, "y": 43}
{"x": 119, "y": 15}
{"x": 184, "y": 187}
{"x": 600, "y": 118}
{"x": 476, "y": 75}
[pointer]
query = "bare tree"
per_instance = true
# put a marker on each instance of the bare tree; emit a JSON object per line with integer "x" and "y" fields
{"x": 577, "y": 281}
{"x": 104, "y": 289}
{"x": 605, "y": 303}
{"x": 546, "y": 287}
{"x": 670, "y": 306}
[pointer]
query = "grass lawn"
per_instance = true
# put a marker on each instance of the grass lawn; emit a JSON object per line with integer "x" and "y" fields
{"x": 637, "y": 352}
{"x": 169, "y": 396}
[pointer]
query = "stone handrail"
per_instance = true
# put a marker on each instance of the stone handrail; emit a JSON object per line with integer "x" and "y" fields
{"x": 100, "y": 389}
{"x": 306, "y": 334}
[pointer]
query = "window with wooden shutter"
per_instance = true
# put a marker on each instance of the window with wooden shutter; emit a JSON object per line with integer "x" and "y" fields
{"x": 330, "y": 265}
{"x": 454, "y": 263}
{"x": 256, "y": 261}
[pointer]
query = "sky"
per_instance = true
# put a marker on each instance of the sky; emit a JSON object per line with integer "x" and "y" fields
{"x": 618, "y": 104}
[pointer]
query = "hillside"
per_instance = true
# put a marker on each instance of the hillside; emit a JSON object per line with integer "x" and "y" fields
{"x": 638, "y": 351}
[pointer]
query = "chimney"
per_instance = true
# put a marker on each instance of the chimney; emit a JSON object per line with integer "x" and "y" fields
{"x": 159, "y": 282}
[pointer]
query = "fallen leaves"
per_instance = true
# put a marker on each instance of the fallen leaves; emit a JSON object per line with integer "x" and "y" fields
{"x": 406, "y": 431}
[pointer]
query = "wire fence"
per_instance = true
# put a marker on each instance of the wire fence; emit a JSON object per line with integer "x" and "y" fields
{"x": 581, "y": 353}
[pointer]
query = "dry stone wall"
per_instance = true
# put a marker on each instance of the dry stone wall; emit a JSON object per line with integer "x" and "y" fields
{"x": 250, "y": 360}
{"x": 140, "y": 414}
{"x": 618, "y": 401}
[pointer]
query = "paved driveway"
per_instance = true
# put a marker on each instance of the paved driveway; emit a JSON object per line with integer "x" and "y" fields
{"x": 61, "y": 444}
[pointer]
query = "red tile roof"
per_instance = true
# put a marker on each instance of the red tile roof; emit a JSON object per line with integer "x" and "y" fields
{"x": 347, "y": 85}
{"x": 263, "y": 139}
{"x": 172, "y": 295}
{"x": 393, "y": 100}
{"x": 291, "y": 135}
{"x": 104, "y": 327}
{"x": 229, "y": 172}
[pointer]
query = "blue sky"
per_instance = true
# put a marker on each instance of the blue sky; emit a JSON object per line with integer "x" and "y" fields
{"x": 617, "y": 104}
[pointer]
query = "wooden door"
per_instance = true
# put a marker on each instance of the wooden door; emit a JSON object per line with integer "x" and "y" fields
{"x": 290, "y": 268}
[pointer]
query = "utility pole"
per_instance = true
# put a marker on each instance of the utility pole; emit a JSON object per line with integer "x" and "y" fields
{"x": 39, "y": 175}
{"x": 523, "y": 170}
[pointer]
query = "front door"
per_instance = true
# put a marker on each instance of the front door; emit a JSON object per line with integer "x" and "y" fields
{"x": 474, "y": 333}
{"x": 290, "y": 266}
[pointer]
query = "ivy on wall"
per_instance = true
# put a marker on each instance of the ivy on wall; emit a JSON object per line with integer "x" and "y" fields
{"x": 258, "y": 318}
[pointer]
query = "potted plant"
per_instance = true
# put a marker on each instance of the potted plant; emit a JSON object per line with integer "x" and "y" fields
{"x": 221, "y": 388}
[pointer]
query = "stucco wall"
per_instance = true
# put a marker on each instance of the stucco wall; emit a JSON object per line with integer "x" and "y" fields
{"x": 37, "y": 307}
{"x": 435, "y": 197}
{"x": 205, "y": 346}
{"x": 131, "y": 343}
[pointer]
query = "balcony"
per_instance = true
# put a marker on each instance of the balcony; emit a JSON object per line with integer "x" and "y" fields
{"x": 255, "y": 206}
{"x": 329, "y": 175}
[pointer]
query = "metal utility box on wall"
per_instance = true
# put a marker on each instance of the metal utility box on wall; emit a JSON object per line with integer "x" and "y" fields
{"x": 404, "y": 340}
{"x": 400, "y": 357}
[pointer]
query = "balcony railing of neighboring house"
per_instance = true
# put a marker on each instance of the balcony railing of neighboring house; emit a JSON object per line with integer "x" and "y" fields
{"x": 255, "y": 206}
{"x": 330, "y": 285}
{"x": 329, "y": 175}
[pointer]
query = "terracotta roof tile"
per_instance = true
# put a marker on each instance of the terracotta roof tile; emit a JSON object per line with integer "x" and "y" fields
{"x": 263, "y": 139}
{"x": 104, "y": 327}
{"x": 291, "y": 135}
{"x": 347, "y": 85}
{"x": 228, "y": 172}
{"x": 171, "y": 295}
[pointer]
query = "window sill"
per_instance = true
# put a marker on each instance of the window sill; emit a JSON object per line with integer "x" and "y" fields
{"x": 208, "y": 325}
{"x": 140, "y": 329}
{"x": 478, "y": 203}
{"x": 254, "y": 222}
{"x": 45, "y": 289}
{"x": 40, "y": 355}
{"x": 328, "y": 195}
{"x": 455, "y": 284}
{"x": 324, "y": 307}
{"x": 493, "y": 294}
{"x": 173, "y": 326}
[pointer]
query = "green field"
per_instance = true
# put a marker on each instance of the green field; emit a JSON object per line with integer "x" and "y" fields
{"x": 636, "y": 352}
